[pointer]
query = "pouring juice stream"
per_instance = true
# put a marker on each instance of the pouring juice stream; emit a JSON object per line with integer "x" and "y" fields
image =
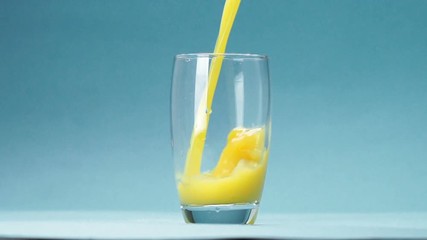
{"x": 194, "y": 157}
{"x": 239, "y": 174}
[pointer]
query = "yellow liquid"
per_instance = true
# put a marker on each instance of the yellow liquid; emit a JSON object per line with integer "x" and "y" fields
{"x": 194, "y": 155}
{"x": 238, "y": 176}
{"x": 240, "y": 172}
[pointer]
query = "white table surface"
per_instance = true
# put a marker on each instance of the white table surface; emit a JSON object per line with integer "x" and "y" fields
{"x": 145, "y": 225}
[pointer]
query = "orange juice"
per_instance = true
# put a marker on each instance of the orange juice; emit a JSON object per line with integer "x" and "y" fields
{"x": 237, "y": 178}
{"x": 239, "y": 174}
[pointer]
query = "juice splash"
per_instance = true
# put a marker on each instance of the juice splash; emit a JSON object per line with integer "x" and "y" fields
{"x": 239, "y": 174}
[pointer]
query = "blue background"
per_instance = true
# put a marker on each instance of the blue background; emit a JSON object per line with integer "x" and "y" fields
{"x": 84, "y": 101}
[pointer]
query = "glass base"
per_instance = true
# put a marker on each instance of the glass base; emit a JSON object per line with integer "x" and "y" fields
{"x": 221, "y": 213}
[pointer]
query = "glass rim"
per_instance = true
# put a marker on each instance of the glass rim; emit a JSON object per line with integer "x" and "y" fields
{"x": 225, "y": 55}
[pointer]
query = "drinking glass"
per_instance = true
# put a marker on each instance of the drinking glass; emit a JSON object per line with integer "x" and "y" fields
{"x": 221, "y": 127}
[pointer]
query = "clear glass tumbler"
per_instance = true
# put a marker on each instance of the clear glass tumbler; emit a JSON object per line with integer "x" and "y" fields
{"x": 221, "y": 127}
